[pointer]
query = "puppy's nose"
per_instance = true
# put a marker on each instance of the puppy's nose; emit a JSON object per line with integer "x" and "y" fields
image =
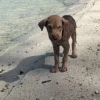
{"x": 54, "y": 37}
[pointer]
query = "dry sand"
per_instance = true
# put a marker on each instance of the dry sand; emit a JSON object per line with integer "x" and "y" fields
{"x": 27, "y": 76}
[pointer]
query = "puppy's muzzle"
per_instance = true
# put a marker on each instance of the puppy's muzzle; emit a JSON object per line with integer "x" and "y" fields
{"x": 54, "y": 37}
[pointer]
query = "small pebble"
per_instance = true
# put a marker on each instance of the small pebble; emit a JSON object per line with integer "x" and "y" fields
{"x": 87, "y": 68}
{"x": 97, "y": 92}
{"x": 80, "y": 84}
{"x": 82, "y": 96}
{"x": 21, "y": 72}
{"x": 3, "y": 90}
{"x": 2, "y": 70}
{"x": 92, "y": 95}
{"x": 56, "y": 82}
{"x": 9, "y": 64}
{"x": 26, "y": 51}
{"x": 98, "y": 49}
{"x": 7, "y": 85}
{"x": 21, "y": 83}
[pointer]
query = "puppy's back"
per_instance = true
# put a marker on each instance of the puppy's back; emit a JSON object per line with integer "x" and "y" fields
{"x": 70, "y": 19}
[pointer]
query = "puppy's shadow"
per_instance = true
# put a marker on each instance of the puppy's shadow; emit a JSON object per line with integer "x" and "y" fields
{"x": 27, "y": 64}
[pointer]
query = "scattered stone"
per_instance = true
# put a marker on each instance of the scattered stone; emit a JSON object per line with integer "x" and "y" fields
{"x": 56, "y": 82}
{"x": 98, "y": 45}
{"x": 13, "y": 62}
{"x": 2, "y": 70}
{"x": 69, "y": 80}
{"x": 9, "y": 64}
{"x": 82, "y": 96}
{"x": 7, "y": 85}
{"x": 21, "y": 83}
{"x": 26, "y": 51}
{"x": 21, "y": 72}
{"x": 97, "y": 92}
{"x": 87, "y": 68}
{"x": 45, "y": 81}
{"x": 98, "y": 49}
{"x": 80, "y": 84}
{"x": 92, "y": 95}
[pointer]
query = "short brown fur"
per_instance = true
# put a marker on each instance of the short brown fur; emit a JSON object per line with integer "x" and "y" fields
{"x": 60, "y": 29}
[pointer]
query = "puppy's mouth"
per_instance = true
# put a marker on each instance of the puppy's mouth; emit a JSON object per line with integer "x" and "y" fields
{"x": 56, "y": 38}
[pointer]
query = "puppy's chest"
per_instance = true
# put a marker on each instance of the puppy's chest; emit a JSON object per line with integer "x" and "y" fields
{"x": 60, "y": 43}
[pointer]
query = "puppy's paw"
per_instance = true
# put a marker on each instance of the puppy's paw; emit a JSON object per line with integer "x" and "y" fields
{"x": 54, "y": 70}
{"x": 63, "y": 69}
{"x": 73, "y": 56}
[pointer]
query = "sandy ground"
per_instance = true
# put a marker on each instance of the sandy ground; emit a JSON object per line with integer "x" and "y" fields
{"x": 25, "y": 70}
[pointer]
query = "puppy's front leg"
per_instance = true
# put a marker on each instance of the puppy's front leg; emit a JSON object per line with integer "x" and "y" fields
{"x": 65, "y": 58}
{"x": 56, "y": 58}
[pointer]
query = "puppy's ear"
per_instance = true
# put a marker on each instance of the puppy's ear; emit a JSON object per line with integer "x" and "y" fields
{"x": 65, "y": 23}
{"x": 42, "y": 23}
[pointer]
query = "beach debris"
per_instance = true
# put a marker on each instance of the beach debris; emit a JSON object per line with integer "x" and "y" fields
{"x": 3, "y": 90}
{"x": 45, "y": 81}
{"x": 2, "y": 70}
{"x": 7, "y": 85}
{"x": 96, "y": 92}
{"x": 21, "y": 72}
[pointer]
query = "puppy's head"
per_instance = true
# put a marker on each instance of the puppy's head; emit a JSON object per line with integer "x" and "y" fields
{"x": 55, "y": 26}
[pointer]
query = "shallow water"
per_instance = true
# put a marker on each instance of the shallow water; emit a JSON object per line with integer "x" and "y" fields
{"x": 18, "y": 17}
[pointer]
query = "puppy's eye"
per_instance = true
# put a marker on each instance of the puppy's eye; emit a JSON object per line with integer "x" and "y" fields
{"x": 59, "y": 27}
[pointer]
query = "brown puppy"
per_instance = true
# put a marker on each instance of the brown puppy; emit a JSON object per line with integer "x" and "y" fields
{"x": 59, "y": 30}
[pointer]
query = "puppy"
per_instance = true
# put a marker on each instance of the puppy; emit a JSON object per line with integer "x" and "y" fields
{"x": 60, "y": 29}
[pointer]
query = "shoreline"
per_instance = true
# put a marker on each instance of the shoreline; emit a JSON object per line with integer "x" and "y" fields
{"x": 32, "y": 32}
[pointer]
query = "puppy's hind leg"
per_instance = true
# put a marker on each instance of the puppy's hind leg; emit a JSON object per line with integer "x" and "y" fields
{"x": 74, "y": 55}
